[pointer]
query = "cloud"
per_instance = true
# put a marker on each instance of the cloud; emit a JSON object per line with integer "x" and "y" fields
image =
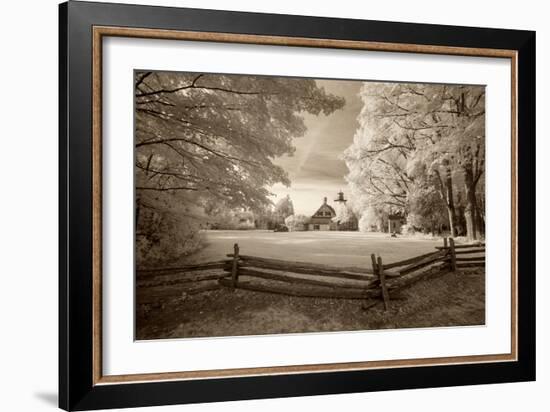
{"x": 316, "y": 169}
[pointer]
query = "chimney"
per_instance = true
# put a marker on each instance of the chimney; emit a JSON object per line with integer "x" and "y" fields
{"x": 325, "y": 200}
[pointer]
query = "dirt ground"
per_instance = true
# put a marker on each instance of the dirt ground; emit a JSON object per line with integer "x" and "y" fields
{"x": 451, "y": 299}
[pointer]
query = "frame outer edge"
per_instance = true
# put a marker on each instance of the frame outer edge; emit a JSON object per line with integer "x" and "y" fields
{"x": 527, "y": 206}
{"x": 78, "y": 214}
{"x": 63, "y": 375}
{"x": 83, "y": 395}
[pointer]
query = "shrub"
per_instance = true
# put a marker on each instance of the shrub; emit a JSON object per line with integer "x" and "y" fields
{"x": 165, "y": 237}
{"x": 370, "y": 222}
{"x": 408, "y": 229}
{"x": 296, "y": 223}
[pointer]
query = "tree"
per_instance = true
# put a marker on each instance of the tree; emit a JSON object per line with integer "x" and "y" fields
{"x": 373, "y": 220}
{"x": 296, "y": 223}
{"x": 444, "y": 181}
{"x": 404, "y": 125}
{"x": 232, "y": 220}
{"x": 343, "y": 215}
{"x": 425, "y": 209}
{"x": 472, "y": 162}
{"x": 284, "y": 208}
{"x": 377, "y": 159}
{"x": 208, "y": 141}
{"x": 265, "y": 218}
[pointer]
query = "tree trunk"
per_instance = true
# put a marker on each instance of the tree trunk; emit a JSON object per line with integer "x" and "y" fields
{"x": 446, "y": 192}
{"x": 470, "y": 212}
{"x": 451, "y": 221}
{"x": 469, "y": 224}
{"x": 480, "y": 216}
{"x": 450, "y": 200}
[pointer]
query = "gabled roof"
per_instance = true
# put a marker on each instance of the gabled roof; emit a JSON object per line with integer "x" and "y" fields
{"x": 320, "y": 213}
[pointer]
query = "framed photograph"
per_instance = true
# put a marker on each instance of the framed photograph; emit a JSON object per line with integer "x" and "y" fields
{"x": 256, "y": 206}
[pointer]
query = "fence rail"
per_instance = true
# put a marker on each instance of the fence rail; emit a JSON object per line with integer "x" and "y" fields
{"x": 246, "y": 271}
{"x": 407, "y": 261}
{"x": 312, "y": 292}
{"x": 182, "y": 269}
{"x": 352, "y": 273}
{"x": 306, "y": 279}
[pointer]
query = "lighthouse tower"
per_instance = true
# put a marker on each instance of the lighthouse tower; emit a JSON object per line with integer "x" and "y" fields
{"x": 341, "y": 208}
{"x": 345, "y": 219}
{"x": 340, "y": 201}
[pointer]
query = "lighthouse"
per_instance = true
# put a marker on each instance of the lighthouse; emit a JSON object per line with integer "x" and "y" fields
{"x": 340, "y": 201}
{"x": 345, "y": 219}
{"x": 342, "y": 212}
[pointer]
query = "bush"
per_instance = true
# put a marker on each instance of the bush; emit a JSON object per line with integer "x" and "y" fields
{"x": 408, "y": 229}
{"x": 166, "y": 237}
{"x": 296, "y": 223}
{"x": 232, "y": 220}
{"x": 369, "y": 223}
{"x": 281, "y": 228}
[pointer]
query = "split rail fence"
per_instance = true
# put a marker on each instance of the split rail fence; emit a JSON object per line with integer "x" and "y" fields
{"x": 381, "y": 282}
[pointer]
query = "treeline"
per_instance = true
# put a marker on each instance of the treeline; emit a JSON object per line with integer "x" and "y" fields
{"x": 270, "y": 217}
{"x": 205, "y": 144}
{"x": 419, "y": 153}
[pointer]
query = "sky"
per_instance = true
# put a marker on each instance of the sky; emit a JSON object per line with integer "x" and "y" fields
{"x": 316, "y": 169}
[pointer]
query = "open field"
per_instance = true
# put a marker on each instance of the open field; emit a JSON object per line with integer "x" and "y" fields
{"x": 449, "y": 299}
{"x": 331, "y": 248}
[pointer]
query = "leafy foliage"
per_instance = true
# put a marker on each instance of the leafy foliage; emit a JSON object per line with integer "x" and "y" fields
{"x": 206, "y": 143}
{"x": 415, "y": 141}
{"x": 343, "y": 214}
{"x": 284, "y": 207}
{"x": 296, "y": 222}
{"x": 373, "y": 220}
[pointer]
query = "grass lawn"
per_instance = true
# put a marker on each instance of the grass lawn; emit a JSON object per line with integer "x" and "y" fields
{"x": 331, "y": 248}
{"x": 451, "y": 299}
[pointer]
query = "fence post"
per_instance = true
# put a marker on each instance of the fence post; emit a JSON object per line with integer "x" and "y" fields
{"x": 235, "y": 267}
{"x": 445, "y": 242}
{"x": 383, "y": 287}
{"x": 374, "y": 264}
{"x": 453, "y": 254}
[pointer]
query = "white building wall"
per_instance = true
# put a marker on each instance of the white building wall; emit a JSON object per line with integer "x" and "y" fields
{"x": 322, "y": 227}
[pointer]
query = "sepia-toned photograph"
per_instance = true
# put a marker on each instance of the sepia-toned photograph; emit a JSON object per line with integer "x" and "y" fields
{"x": 277, "y": 205}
